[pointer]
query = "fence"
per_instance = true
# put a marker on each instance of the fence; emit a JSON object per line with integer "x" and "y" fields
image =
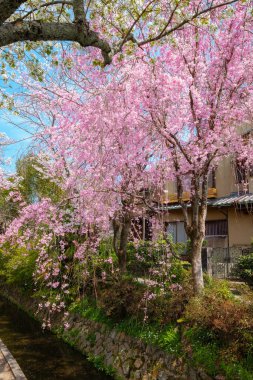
{"x": 219, "y": 262}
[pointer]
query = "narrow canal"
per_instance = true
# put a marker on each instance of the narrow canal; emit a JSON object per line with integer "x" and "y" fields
{"x": 40, "y": 354}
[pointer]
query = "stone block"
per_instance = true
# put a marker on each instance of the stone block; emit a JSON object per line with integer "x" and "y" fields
{"x": 138, "y": 363}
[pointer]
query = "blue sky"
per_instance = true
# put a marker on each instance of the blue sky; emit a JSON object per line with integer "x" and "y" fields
{"x": 13, "y": 151}
{"x": 9, "y": 124}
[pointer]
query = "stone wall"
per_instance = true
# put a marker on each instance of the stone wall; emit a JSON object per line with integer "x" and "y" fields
{"x": 127, "y": 357}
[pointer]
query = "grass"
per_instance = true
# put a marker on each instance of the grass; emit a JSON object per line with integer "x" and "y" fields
{"x": 98, "y": 362}
{"x": 207, "y": 354}
{"x": 167, "y": 337}
{"x": 87, "y": 309}
{"x": 236, "y": 371}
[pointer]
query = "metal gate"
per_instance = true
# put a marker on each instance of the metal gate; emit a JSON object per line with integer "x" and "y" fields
{"x": 219, "y": 262}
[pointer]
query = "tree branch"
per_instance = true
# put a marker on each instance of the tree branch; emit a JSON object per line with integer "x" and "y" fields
{"x": 78, "y": 31}
{"x": 41, "y": 31}
{"x": 63, "y": 2}
{"x": 8, "y": 7}
{"x": 184, "y": 22}
{"x": 78, "y": 10}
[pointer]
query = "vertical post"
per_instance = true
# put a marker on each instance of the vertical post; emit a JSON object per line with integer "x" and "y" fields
{"x": 209, "y": 261}
{"x": 143, "y": 227}
{"x": 228, "y": 246}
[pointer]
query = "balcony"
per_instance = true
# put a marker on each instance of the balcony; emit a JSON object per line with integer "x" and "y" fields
{"x": 172, "y": 197}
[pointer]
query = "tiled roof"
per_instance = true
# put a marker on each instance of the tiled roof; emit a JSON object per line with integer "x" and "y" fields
{"x": 233, "y": 199}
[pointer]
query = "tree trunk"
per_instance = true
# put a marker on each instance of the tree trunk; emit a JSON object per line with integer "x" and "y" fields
{"x": 197, "y": 238}
{"x": 122, "y": 252}
{"x": 121, "y": 230}
{"x": 116, "y": 233}
{"x": 196, "y": 260}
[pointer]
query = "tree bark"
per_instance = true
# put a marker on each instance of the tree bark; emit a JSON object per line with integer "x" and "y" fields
{"x": 79, "y": 31}
{"x": 22, "y": 30}
{"x": 121, "y": 231}
{"x": 197, "y": 235}
{"x": 122, "y": 252}
{"x": 7, "y": 8}
{"x": 116, "y": 232}
{"x": 196, "y": 261}
{"x": 51, "y": 31}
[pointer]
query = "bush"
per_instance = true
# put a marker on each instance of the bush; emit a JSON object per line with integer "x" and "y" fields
{"x": 146, "y": 301}
{"x": 149, "y": 255}
{"x": 217, "y": 310}
{"x": 244, "y": 268}
{"x": 204, "y": 350}
{"x": 235, "y": 371}
{"x": 219, "y": 288}
{"x": 121, "y": 299}
{"x": 17, "y": 266}
{"x": 143, "y": 257}
{"x": 179, "y": 271}
{"x": 207, "y": 357}
{"x": 208, "y": 353}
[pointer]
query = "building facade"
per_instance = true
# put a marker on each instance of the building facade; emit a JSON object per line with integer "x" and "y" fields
{"x": 229, "y": 222}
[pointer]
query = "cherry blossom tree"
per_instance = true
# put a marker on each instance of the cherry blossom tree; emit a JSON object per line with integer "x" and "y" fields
{"x": 196, "y": 97}
{"x": 35, "y": 31}
{"x": 170, "y": 114}
{"x": 104, "y": 25}
{"x": 103, "y": 160}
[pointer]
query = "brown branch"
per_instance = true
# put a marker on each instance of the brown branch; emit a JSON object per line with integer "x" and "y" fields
{"x": 45, "y": 6}
{"x": 41, "y": 31}
{"x": 8, "y": 7}
{"x": 79, "y": 31}
{"x": 168, "y": 22}
{"x": 128, "y": 35}
{"x": 78, "y": 10}
{"x": 184, "y": 22}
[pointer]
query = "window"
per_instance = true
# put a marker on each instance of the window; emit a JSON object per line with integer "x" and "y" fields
{"x": 171, "y": 230}
{"x": 240, "y": 172}
{"x": 177, "y": 231}
{"x": 141, "y": 228}
{"x": 211, "y": 179}
{"x": 217, "y": 228}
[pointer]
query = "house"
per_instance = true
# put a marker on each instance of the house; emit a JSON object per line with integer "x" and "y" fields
{"x": 229, "y": 222}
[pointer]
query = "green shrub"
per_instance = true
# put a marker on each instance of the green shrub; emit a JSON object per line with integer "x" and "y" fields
{"x": 149, "y": 255}
{"x": 142, "y": 257}
{"x": 88, "y": 309}
{"x": 219, "y": 288}
{"x": 198, "y": 336}
{"x": 170, "y": 340}
{"x": 178, "y": 271}
{"x": 236, "y": 371}
{"x": 204, "y": 349}
{"x": 121, "y": 299}
{"x": 229, "y": 319}
{"x": 17, "y": 266}
{"x": 207, "y": 357}
{"x": 244, "y": 268}
{"x": 105, "y": 248}
{"x": 214, "y": 357}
